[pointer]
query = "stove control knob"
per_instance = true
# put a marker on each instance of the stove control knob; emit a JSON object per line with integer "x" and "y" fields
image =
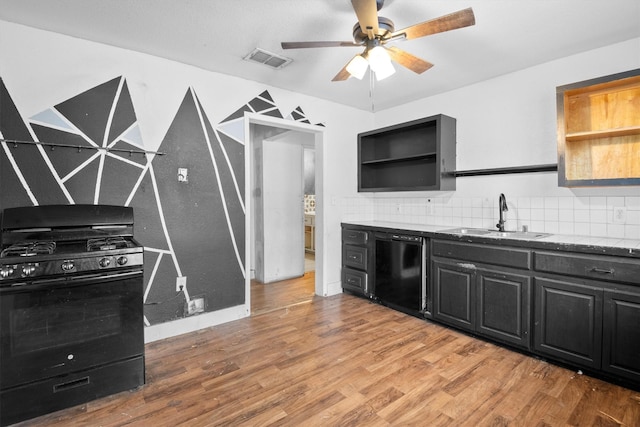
{"x": 122, "y": 260}
{"x": 28, "y": 269}
{"x": 6, "y": 271}
{"x": 104, "y": 262}
{"x": 68, "y": 265}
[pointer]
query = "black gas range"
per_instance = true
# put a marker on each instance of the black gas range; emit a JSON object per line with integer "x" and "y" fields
{"x": 71, "y": 309}
{"x": 54, "y": 240}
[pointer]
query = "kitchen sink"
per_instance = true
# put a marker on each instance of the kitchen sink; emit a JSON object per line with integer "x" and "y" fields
{"x": 474, "y": 231}
{"x": 528, "y": 235}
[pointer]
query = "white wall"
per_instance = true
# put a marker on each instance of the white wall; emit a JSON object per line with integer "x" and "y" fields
{"x": 511, "y": 121}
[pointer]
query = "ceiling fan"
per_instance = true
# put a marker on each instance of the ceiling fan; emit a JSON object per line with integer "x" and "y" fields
{"x": 373, "y": 32}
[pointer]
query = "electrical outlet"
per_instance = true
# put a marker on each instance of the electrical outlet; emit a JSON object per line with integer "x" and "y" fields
{"x": 194, "y": 306}
{"x": 181, "y": 283}
{"x": 619, "y": 215}
{"x": 183, "y": 175}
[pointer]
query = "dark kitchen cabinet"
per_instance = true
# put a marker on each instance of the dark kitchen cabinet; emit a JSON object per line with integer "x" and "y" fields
{"x": 356, "y": 261}
{"x": 412, "y": 156}
{"x": 504, "y": 306}
{"x": 454, "y": 299}
{"x": 472, "y": 294}
{"x": 568, "y": 321}
{"x": 621, "y": 334}
{"x": 588, "y": 311}
{"x": 579, "y": 307}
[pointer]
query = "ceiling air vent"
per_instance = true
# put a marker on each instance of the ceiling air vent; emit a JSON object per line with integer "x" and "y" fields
{"x": 267, "y": 58}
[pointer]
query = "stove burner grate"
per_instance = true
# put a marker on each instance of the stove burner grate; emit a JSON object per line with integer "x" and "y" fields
{"x": 106, "y": 244}
{"x": 27, "y": 249}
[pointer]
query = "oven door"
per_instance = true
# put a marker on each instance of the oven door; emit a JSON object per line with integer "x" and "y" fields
{"x": 53, "y": 327}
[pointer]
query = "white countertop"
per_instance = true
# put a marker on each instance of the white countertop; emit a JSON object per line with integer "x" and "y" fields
{"x": 561, "y": 239}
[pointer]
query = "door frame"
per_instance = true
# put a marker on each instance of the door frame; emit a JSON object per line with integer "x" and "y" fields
{"x": 321, "y": 288}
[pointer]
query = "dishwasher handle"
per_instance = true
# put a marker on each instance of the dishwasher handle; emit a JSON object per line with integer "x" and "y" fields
{"x": 406, "y": 238}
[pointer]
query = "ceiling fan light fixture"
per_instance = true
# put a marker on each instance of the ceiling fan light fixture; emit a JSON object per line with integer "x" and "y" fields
{"x": 373, "y": 32}
{"x": 384, "y": 71}
{"x": 358, "y": 66}
{"x": 380, "y": 63}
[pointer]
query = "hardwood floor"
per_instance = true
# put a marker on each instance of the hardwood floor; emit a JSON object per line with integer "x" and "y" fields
{"x": 343, "y": 361}
{"x": 272, "y": 296}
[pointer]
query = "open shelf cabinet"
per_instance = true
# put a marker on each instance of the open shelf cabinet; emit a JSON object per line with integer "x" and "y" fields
{"x": 412, "y": 156}
{"x": 599, "y": 131}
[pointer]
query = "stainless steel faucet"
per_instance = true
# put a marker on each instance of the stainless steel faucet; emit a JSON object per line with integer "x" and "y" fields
{"x": 502, "y": 207}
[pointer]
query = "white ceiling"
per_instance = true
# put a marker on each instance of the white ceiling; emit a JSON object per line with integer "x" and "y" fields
{"x": 216, "y": 34}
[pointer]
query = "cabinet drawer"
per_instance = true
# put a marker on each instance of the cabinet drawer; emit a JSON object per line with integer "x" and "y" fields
{"x": 354, "y": 256}
{"x": 354, "y": 280}
{"x": 310, "y": 220}
{"x": 355, "y": 237}
{"x": 593, "y": 267}
{"x": 496, "y": 255}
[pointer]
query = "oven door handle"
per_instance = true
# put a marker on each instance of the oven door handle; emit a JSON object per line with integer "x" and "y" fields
{"x": 67, "y": 280}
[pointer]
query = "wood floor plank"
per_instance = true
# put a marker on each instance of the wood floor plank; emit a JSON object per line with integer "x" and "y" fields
{"x": 342, "y": 361}
{"x": 266, "y": 297}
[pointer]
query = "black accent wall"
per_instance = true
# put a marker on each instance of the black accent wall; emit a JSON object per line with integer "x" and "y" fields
{"x": 194, "y": 229}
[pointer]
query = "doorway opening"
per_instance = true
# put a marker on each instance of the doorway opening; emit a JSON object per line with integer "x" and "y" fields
{"x": 284, "y": 218}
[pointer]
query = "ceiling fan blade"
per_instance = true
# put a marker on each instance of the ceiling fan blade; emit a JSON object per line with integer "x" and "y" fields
{"x": 342, "y": 74}
{"x": 304, "y": 45}
{"x": 453, "y": 21}
{"x": 367, "y": 12}
{"x": 408, "y": 60}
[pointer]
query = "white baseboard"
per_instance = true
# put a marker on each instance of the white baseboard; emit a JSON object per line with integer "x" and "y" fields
{"x": 334, "y": 288}
{"x": 193, "y": 323}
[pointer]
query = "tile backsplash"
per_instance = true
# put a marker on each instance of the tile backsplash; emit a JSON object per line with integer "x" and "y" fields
{"x": 589, "y": 216}
{"x": 309, "y": 203}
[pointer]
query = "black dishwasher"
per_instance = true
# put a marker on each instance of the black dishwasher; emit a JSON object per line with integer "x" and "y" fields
{"x": 400, "y": 272}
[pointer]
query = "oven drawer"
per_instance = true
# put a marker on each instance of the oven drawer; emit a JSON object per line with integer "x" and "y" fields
{"x": 354, "y": 256}
{"x": 35, "y": 399}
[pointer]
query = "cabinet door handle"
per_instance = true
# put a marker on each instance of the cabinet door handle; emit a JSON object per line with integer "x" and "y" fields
{"x": 467, "y": 265}
{"x": 602, "y": 270}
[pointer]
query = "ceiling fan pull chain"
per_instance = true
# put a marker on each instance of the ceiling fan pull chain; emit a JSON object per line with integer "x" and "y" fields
{"x": 371, "y": 87}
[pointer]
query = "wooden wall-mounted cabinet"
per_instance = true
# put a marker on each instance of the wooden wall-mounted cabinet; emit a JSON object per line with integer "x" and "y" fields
{"x": 412, "y": 156}
{"x": 599, "y": 131}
